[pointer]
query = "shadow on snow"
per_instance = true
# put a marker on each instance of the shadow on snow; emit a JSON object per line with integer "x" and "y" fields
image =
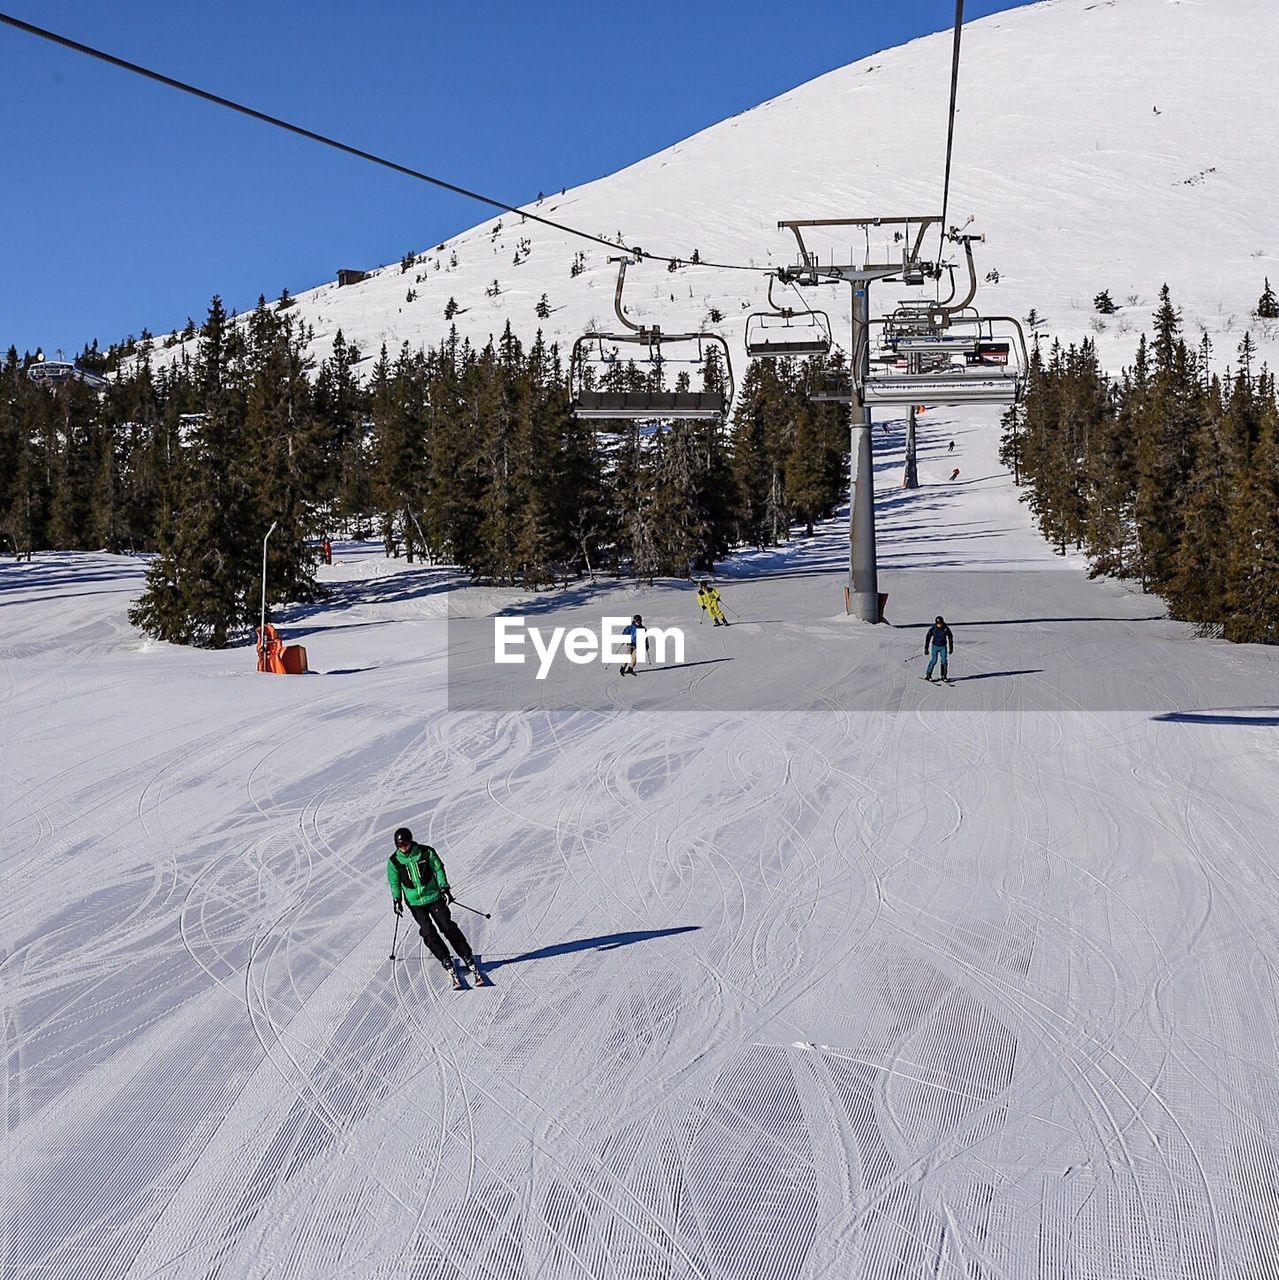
{"x": 605, "y": 942}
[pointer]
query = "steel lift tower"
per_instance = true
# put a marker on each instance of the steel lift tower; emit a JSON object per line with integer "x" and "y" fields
{"x": 910, "y": 269}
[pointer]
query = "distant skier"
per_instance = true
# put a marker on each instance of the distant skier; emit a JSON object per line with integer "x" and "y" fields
{"x": 950, "y": 448}
{"x": 954, "y": 475}
{"x": 708, "y": 599}
{"x": 416, "y": 875}
{"x": 940, "y": 643}
{"x": 326, "y": 551}
{"x": 632, "y": 642}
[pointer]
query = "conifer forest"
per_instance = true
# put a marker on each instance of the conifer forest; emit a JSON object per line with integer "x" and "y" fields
{"x": 454, "y": 455}
{"x": 1168, "y": 474}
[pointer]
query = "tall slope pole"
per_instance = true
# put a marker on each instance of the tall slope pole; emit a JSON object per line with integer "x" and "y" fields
{"x": 910, "y": 478}
{"x": 863, "y": 570}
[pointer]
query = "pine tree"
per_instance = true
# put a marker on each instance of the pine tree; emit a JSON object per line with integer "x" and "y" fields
{"x": 1267, "y": 304}
{"x": 286, "y": 449}
{"x": 401, "y": 412}
{"x": 345, "y": 487}
{"x": 1166, "y": 431}
{"x": 760, "y": 403}
{"x": 816, "y": 466}
{"x": 200, "y": 587}
{"x": 18, "y": 459}
{"x": 1103, "y": 303}
{"x": 1196, "y": 587}
{"x": 501, "y": 406}
{"x": 1252, "y": 567}
{"x": 1110, "y": 535}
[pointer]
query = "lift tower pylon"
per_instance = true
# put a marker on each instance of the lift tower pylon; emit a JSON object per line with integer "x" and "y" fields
{"x": 863, "y": 570}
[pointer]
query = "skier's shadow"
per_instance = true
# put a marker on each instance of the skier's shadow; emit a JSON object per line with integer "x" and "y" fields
{"x": 1259, "y": 717}
{"x": 605, "y": 942}
{"x": 995, "y": 675}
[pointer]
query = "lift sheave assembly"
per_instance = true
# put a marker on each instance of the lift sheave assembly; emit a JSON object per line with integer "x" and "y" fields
{"x": 927, "y": 351}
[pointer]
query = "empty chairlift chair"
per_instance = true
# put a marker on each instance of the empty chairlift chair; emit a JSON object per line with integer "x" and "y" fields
{"x": 830, "y": 385}
{"x": 644, "y": 405}
{"x": 784, "y": 331}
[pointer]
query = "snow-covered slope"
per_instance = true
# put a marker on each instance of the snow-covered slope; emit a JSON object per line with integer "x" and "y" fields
{"x": 1100, "y": 144}
{"x": 799, "y": 969}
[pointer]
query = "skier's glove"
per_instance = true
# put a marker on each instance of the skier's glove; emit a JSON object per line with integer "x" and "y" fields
{"x": 447, "y": 895}
{"x": 398, "y": 907}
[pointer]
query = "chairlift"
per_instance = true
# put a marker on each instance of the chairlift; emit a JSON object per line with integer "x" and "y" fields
{"x": 989, "y": 353}
{"x": 785, "y": 331}
{"x": 645, "y": 405}
{"x": 988, "y": 373}
{"x": 57, "y": 373}
{"x": 832, "y": 384}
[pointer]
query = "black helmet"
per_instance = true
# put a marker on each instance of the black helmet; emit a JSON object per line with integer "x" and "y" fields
{"x": 941, "y": 622}
{"x": 638, "y": 620}
{"x": 705, "y": 583}
{"x": 403, "y": 836}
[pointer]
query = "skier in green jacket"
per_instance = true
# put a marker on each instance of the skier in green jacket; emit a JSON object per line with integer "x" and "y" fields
{"x": 417, "y": 876}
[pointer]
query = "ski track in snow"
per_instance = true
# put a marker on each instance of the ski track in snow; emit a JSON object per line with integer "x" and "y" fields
{"x": 878, "y": 981}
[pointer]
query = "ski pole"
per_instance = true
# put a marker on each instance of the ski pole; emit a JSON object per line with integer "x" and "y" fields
{"x": 395, "y": 937}
{"x": 477, "y": 911}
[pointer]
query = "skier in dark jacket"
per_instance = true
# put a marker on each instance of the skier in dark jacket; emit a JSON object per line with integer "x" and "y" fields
{"x": 940, "y": 644}
{"x": 631, "y": 640}
{"x": 417, "y": 876}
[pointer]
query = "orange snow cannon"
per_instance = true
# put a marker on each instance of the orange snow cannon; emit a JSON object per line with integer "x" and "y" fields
{"x": 277, "y": 658}
{"x": 293, "y": 658}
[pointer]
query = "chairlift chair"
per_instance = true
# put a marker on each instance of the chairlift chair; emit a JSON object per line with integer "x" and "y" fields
{"x": 785, "y": 331}
{"x": 647, "y": 405}
{"x": 988, "y": 375}
{"x": 57, "y": 373}
{"x": 831, "y": 385}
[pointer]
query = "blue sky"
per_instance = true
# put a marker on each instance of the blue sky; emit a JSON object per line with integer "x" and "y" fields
{"x": 128, "y": 205}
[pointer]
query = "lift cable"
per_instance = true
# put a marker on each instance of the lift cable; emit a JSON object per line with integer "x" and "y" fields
{"x": 950, "y": 124}
{"x": 360, "y": 154}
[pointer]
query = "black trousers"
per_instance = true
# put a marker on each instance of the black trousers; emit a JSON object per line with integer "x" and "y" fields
{"x": 433, "y": 920}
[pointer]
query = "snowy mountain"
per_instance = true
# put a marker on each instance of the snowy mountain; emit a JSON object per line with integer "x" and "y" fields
{"x": 1099, "y": 145}
{"x": 796, "y": 969}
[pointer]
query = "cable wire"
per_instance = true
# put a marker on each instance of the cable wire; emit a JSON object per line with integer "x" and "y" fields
{"x": 124, "y": 65}
{"x": 950, "y": 124}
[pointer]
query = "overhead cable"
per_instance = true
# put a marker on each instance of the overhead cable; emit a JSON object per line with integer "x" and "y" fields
{"x": 950, "y": 124}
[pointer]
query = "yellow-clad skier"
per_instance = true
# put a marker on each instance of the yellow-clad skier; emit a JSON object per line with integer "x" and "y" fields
{"x": 708, "y": 598}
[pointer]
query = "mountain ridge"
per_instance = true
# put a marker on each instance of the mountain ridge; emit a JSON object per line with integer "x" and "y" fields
{"x": 1088, "y": 169}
